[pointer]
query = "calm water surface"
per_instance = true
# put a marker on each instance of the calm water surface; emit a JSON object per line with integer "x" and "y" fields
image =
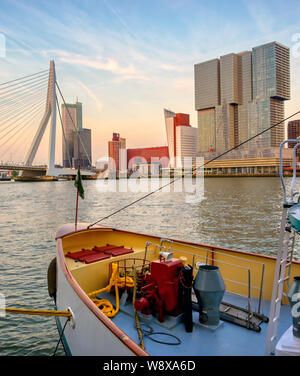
{"x": 238, "y": 213}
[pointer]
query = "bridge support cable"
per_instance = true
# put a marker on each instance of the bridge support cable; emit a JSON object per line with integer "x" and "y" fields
{"x": 16, "y": 120}
{"x": 19, "y": 106}
{"x": 21, "y": 97}
{"x": 74, "y": 126}
{"x": 27, "y": 88}
{"x": 21, "y": 83}
{"x": 22, "y": 126}
{"x": 21, "y": 102}
{"x": 22, "y": 78}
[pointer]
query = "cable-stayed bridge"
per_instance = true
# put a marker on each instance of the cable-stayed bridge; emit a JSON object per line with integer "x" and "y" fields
{"x": 29, "y": 105}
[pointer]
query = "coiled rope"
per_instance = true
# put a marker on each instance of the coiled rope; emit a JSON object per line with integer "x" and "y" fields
{"x": 117, "y": 282}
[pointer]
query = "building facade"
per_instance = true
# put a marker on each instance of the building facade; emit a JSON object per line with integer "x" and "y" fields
{"x": 117, "y": 153}
{"x": 150, "y": 159}
{"x": 82, "y": 149}
{"x": 76, "y": 140}
{"x": 239, "y": 96}
{"x": 181, "y": 137}
{"x": 293, "y": 131}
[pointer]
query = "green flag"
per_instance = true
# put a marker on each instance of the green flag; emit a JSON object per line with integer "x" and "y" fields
{"x": 78, "y": 184}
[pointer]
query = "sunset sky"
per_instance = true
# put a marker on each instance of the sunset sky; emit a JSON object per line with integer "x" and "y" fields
{"x": 127, "y": 60}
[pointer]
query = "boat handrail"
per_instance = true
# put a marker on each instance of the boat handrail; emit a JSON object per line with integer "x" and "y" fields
{"x": 210, "y": 248}
{"x": 260, "y": 288}
{"x": 294, "y": 169}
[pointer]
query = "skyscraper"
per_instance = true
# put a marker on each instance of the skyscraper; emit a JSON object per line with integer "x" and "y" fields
{"x": 240, "y": 95}
{"x": 293, "y": 132}
{"x": 82, "y": 149}
{"x": 182, "y": 138}
{"x": 117, "y": 153}
{"x": 76, "y": 141}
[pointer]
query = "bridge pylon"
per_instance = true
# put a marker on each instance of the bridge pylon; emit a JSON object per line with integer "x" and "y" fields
{"x": 50, "y": 112}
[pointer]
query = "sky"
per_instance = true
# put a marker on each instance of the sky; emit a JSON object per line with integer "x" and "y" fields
{"x": 127, "y": 60}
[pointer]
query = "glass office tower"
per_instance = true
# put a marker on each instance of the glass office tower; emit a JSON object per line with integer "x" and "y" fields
{"x": 240, "y": 95}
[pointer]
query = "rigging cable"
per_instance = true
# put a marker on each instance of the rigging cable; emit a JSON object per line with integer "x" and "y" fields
{"x": 194, "y": 169}
{"x": 61, "y": 334}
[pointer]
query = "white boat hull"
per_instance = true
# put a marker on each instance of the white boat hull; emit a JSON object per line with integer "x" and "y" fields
{"x": 86, "y": 333}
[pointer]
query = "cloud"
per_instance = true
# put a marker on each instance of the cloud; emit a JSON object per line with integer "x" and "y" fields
{"x": 92, "y": 95}
{"x": 108, "y": 64}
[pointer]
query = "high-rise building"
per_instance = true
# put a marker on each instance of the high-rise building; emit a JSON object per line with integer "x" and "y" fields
{"x": 293, "y": 132}
{"x": 76, "y": 140}
{"x": 240, "y": 95}
{"x": 181, "y": 137}
{"x": 117, "y": 153}
{"x": 82, "y": 149}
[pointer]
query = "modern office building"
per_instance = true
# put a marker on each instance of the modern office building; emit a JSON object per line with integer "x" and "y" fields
{"x": 181, "y": 137}
{"x": 239, "y": 95}
{"x": 76, "y": 140}
{"x": 155, "y": 156}
{"x": 71, "y": 119}
{"x": 293, "y": 131}
{"x": 82, "y": 149}
{"x": 117, "y": 153}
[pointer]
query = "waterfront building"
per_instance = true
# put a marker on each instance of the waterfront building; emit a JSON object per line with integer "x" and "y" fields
{"x": 117, "y": 153}
{"x": 248, "y": 166}
{"x": 82, "y": 148}
{"x": 71, "y": 119}
{"x": 76, "y": 140}
{"x": 148, "y": 160}
{"x": 293, "y": 131}
{"x": 239, "y": 95}
{"x": 181, "y": 137}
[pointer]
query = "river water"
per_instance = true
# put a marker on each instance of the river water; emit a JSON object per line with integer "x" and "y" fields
{"x": 237, "y": 213}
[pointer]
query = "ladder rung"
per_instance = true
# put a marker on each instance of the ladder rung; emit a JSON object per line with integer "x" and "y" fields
{"x": 273, "y": 338}
{"x": 284, "y": 279}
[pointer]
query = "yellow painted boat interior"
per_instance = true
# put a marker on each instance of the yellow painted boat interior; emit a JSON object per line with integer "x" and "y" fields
{"x": 245, "y": 274}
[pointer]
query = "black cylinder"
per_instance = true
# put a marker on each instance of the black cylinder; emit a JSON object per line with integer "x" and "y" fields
{"x": 185, "y": 296}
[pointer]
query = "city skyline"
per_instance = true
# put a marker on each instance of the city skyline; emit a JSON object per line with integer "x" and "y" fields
{"x": 117, "y": 63}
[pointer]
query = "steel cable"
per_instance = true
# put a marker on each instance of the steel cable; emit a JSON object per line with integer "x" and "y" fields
{"x": 11, "y": 121}
{"x": 19, "y": 106}
{"x": 193, "y": 170}
{"x": 33, "y": 115}
{"x": 21, "y": 78}
{"x": 21, "y": 83}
